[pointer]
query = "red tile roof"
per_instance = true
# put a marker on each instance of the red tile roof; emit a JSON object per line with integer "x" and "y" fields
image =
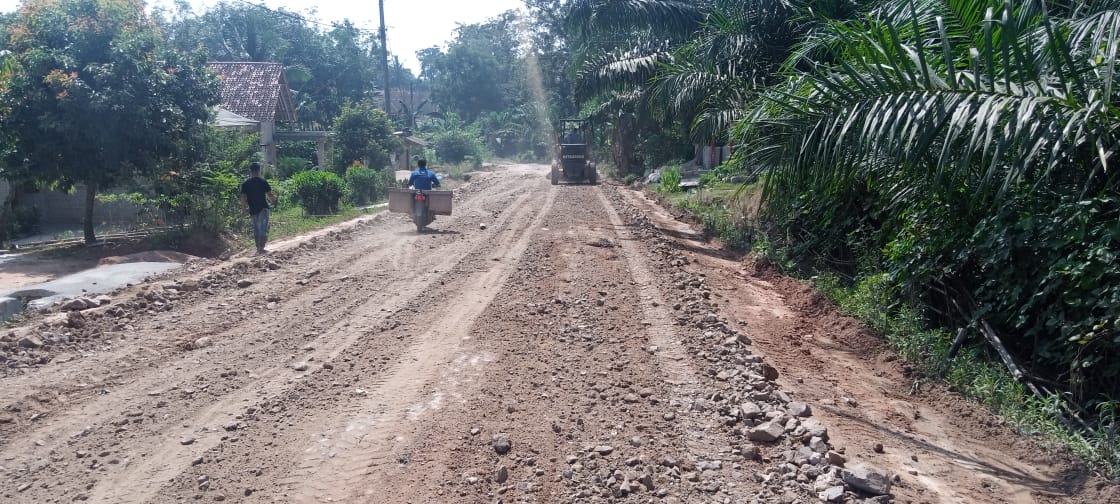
{"x": 257, "y": 90}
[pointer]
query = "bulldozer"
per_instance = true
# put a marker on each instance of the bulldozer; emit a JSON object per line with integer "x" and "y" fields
{"x": 573, "y": 162}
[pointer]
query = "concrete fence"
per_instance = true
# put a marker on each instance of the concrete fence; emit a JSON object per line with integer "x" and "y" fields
{"x": 58, "y": 209}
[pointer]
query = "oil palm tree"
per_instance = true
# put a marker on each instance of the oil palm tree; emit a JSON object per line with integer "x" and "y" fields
{"x": 732, "y": 55}
{"x": 694, "y": 67}
{"x": 1010, "y": 97}
{"x": 619, "y": 47}
{"x": 921, "y": 123}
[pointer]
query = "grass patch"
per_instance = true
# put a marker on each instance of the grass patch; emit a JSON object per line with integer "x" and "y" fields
{"x": 290, "y": 221}
{"x": 725, "y": 211}
{"x": 976, "y": 374}
{"x": 459, "y": 171}
{"x": 670, "y": 180}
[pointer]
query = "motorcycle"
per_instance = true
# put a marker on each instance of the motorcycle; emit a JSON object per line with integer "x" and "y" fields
{"x": 422, "y": 206}
{"x": 421, "y": 210}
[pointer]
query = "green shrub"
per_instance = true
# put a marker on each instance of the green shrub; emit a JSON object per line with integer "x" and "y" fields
{"x": 363, "y": 133}
{"x": 289, "y": 166}
{"x": 720, "y": 219}
{"x": 26, "y": 219}
{"x": 456, "y": 145}
{"x": 202, "y": 192}
{"x": 721, "y": 173}
{"x": 366, "y": 185}
{"x": 318, "y": 192}
{"x": 220, "y": 208}
{"x": 871, "y": 298}
{"x": 670, "y": 180}
{"x": 18, "y": 221}
{"x": 307, "y": 150}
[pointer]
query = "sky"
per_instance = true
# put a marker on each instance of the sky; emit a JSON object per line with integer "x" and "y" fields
{"x": 412, "y": 24}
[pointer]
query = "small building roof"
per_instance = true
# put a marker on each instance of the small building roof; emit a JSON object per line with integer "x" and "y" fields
{"x": 227, "y": 119}
{"x": 416, "y": 141}
{"x": 255, "y": 90}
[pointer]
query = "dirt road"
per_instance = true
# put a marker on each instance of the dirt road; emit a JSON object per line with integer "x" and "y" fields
{"x": 545, "y": 344}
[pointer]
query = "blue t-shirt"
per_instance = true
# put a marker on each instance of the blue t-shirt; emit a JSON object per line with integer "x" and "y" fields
{"x": 423, "y": 179}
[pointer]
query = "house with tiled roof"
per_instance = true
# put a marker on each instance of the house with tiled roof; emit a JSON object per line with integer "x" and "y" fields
{"x": 257, "y": 91}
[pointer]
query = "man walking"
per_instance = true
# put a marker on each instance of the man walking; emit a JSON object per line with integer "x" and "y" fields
{"x": 256, "y": 195}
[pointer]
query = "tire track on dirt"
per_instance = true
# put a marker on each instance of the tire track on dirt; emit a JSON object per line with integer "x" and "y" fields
{"x": 676, "y": 364}
{"x": 154, "y": 381}
{"x": 201, "y": 314}
{"x": 198, "y": 311}
{"x": 658, "y": 320}
{"x": 572, "y": 373}
{"x": 42, "y": 445}
{"x": 145, "y": 478}
{"x": 349, "y": 464}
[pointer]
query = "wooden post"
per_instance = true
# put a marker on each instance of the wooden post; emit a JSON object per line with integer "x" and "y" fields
{"x": 384, "y": 55}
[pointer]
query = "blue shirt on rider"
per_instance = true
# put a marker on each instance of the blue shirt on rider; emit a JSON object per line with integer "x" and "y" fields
{"x": 423, "y": 179}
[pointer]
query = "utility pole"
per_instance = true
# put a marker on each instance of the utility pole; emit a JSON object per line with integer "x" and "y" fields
{"x": 385, "y": 56}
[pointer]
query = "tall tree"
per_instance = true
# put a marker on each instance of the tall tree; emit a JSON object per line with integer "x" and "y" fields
{"x": 619, "y": 47}
{"x": 93, "y": 98}
{"x": 327, "y": 65}
{"x": 480, "y": 71}
{"x": 547, "y": 29}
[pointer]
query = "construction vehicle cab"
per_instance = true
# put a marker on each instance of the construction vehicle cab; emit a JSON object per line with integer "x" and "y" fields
{"x": 573, "y": 161}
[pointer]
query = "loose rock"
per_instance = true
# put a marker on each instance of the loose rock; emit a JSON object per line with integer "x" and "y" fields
{"x": 766, "y": 432}
{"x": 30, "y": 342}
{"x": 867, "y": 479}
{"x": 832, "y": 494}
{"x": 502, "y": 445}
{"x": 750, "y": 410}
{"x": 76, "y": 304}
{"x": 800, "y": 409}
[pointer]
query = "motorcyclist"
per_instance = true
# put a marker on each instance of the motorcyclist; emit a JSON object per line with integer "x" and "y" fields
{"x": 422, "y": 178}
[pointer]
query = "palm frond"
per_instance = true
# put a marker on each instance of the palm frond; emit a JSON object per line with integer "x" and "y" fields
{"x": 673, "y": 18}
{"x": 615, "y": 104}
{"x": 618, "y": 70}
{"x": 989, "y": 118}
